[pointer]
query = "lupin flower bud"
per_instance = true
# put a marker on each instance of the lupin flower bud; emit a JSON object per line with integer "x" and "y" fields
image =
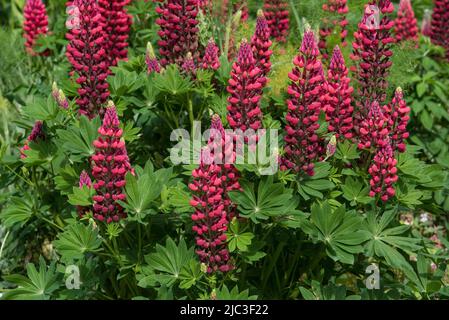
{"x": 426, "y": 26}
{"x": 36, "y": 134}
{"x": 440, "y": 24}
{"x": 212, "y": 181}
{"x": 261, "y": 43}
{"x": 277, "y": 14}
{"x": 110, "y": 164}
{"x": 151, "y": 60}
{"x": 331, "y": 147}
{"x": 188, "y": 65}
{"x": 59, "y": 96}
{"x": 211, "y": 60}
{"x": 84, "y": 181}
{"x": 373, "y": 131}
{"x": 372, "y": 52}
{"x": 35, "y": 24}
{"x": 406, "y": 27}
{"x": 383, "y": 173}
{"x": 245, "y": 89}
{"x": 338, "y": 97}
{"x": 89, "y": 58}
{"x": 398, "y": 117}
{"x": 335, "y": 7}
{"x": 178, "y": 30}
{"x": 302, "y": 145}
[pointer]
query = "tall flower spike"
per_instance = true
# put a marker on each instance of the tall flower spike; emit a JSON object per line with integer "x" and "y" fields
{"x": 36, "y": 134}
{"x": 372, "y": 52}
{"x": 383, "y": 173}
{"x": 277, "y": 14}
{"x": 373, "y": 132}
{"x": 84, "y": 181}
{"x": 188, "y": 65}
{"x": 243, "y": 6}
{"x": 89, "y": 59}
{"x": 117, "y": 24}
{"x": 261, "y": 43}
{"x": 335, "y": 7}
{"x": 426, "y": 26}
{"x": 178, "y": 30}
{"x": 59, "y": 96}
{"x": 211, "y": 60}
{"x": 212, "y": 181}
{"x": 440, "y": 24}
{"x": 338, "y": 97}
{"x": 110, "y": 163}
{"x": 151, "y": 60}
{"x": 302, "y": 144}
{"x": 398, "y": 117}
{"x": 35, "y": 24}
{"x": 406, "y": 27}
{"x": 245, "y": 89}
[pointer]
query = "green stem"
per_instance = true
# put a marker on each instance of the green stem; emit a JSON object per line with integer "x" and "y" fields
{"x": 3, "y": 244}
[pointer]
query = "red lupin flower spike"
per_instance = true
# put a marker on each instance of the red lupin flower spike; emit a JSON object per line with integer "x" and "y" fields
{"x": 178, "y": 30}
{"x": 261, "y": 43}
{"x": 89, "y": 59}
{"x": 211, "y": 59}
{"x": 188, "y": 66}
{"x": 245, "y": 88}
{"x": 383, "y": 173}
{"x": 110, "y": 164}
{"x": 117, "y": 24}
{"x": 372, "y": 52}
{"x": 302, "y": 144}
{"x": 35, "y": 24}
{"x": 440, "y": 24}
{"x": 373, "y": 131}
{"x": 406, "y": 27}
{"x": 337, "y": 7}
{"x": 84, "y": 181}
{"x": 36, "y": 134}
{"x": 277, "y": 14}
{"x": 151, "y": 60}
{"x": 338, "y": 97}
{"x": 212, "y": 181}
{"x": 398, "y": 116}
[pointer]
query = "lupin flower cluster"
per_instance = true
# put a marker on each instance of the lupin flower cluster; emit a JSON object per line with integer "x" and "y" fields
{"x": 338, "y": 97}
{"x": 117, "y": 24}
{"x": 335, "y": 7}
{"x": 212, "y": 181}
{"x": 151, "y": 60}
{"x": 84, "y": 181}
{"x": 87, "y": 54}
{"x": 178, "y": 30}
{"x": 36, "y": 134}
{"x": 110, "y": 164}
{"x": 261, "y": 44}
{"x": 406, "y": 27}
{"x": 383, "y": 173}
{"x": 398, "y": 117}
{"x": 440, "y": 24}
{"x": 373, "y": 131}
{"x": 211, "y": 59}
{"x": 188, "y": 66}
{"x": 426, "y": 25}
{"x": 277, "y": 14}
{"x": 302, "y": 144}
{"x": 59, "y": 96}
{"x": 372, "y": 52}
{"x": 35, "y": 23}
{"x": 245, "y": 89}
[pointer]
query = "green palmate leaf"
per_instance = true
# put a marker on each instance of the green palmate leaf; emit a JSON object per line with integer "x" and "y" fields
{"x": 172, "y": 82}
{"x": 77, "y": 240}
{"x": 338, "y": 230}
{"x": 165, "y": 265}
{"x": 38, "y": 285}
{"x": 355, "y": 192}
{"x": 384, "y": 242}
{"x": 234, "y": 294}
{"x": 40, "y": 153}
{"x": 41, "y": 109}
{"x": 18, "y": 211}
{"x": 347, "y": 151}
{"x": 65, "y": 180}
{"x": 190, "y": 274}
{"x": 130, "y": 133}
{"x": 237, "y": 239}
{"x": 82, "y": 196}
{"x": 327, "y": 292}
{"x": 178, "y": 198}
{"x": 314, "y": 186}
{"x": 78, "y": 139}
{"x": 272, "y": 200}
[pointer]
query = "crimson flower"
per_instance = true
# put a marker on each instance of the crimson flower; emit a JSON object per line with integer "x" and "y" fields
{"x": 406, "y": 27}
{"x": 35, "y": 24}
{"x": 36, "y": 134}
{"x": 277, "y": 14}
{"x": 212, "y": 181}
{"x": 338, "y": 7}
{"x": 302, "y": 144}
{"x": 211, "y": 60}
{"x": 261, "y": 43}
{"x": 398, "y": 116}
{"x": 84, "y": 181}
{"x": 89, "y": 58}
{"x": 110, "y": 164}
{"x": 383, "y": 173}
{"x": 440, "y": 24}
{"x": 373, "y": 131}
{"x": 151, "y": 60}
